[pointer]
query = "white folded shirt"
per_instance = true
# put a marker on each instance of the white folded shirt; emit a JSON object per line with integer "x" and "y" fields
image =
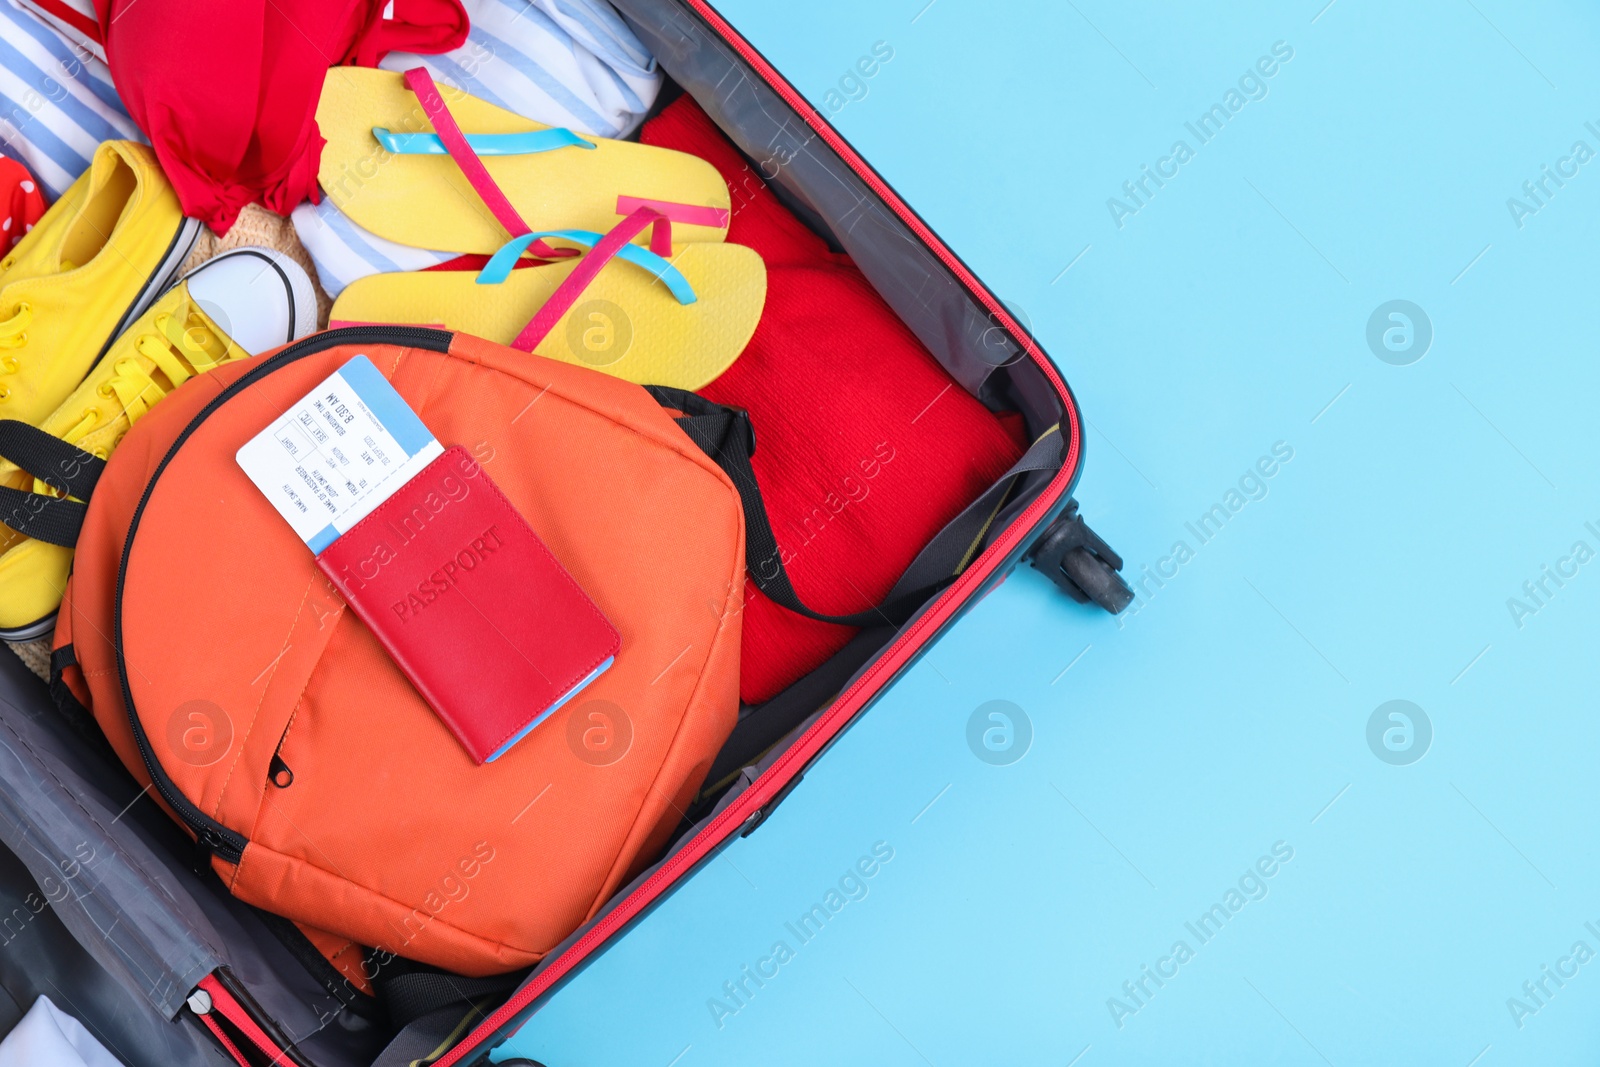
{"x": 49, "y": 1037}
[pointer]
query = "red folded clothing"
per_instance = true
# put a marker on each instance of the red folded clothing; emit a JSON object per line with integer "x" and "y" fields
{"x": 866, "y": 447}
{"x": 227, "y": 92}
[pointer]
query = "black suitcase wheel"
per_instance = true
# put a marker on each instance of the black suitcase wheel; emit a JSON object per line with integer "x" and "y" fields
{"x": 1081, "y": 564}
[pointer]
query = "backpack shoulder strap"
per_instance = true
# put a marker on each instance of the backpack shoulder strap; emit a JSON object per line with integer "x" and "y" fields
{"x": 65, "y": 468}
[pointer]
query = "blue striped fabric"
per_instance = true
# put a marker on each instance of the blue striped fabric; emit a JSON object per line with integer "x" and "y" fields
{"x": 561, "y": 62}
{"x": 342, "y": 251}
{"x": 570, "y": 63}
{"x": 56, "y": 101}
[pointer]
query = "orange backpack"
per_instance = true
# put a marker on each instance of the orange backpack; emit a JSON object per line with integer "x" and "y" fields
{"x": 225, "y": 670}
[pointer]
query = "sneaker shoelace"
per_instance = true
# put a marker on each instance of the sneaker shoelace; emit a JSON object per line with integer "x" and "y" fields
{"x": 179, "y": 350}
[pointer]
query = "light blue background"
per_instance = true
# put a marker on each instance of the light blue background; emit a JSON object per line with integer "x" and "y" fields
{"x": 1228, "y": 710}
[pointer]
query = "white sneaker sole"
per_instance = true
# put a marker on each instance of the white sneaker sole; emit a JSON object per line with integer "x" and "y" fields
{"x": 31, "y": 632}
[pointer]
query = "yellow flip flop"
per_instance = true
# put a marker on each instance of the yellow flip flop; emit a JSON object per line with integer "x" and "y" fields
{"x": 399, "y": 165}
{"x": 637, "y": 316}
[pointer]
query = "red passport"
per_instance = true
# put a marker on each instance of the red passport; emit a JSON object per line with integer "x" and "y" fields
{"x": 484, "y": 621}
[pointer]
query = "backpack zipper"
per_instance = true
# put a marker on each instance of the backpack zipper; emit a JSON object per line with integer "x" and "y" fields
{"x": 217, "y": 839}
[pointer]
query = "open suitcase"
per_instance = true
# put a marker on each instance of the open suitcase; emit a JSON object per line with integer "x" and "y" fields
{"x": 215, "y": 980}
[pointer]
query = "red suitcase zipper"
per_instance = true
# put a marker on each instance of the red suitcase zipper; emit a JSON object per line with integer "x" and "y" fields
{"x": 749, "y": 807}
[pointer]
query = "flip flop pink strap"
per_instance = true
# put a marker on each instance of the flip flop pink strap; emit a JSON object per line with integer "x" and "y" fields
{"x": 689, "y": 214}
{"x": 420, "y": 82}
{"x": 568, "y": 291}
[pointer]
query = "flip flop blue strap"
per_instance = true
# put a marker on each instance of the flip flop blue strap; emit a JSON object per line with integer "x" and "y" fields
{"x": 499, "y": 267}
{"x": 485, "y": 144}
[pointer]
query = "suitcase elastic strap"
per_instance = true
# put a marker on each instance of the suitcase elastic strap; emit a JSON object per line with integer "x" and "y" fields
{"x": 726, "y": 435}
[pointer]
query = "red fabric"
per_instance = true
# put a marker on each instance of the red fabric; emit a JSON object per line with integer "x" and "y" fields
{"x": 866, "y": 447}
{"x": 476, "y": 261}
{"x": 72, "y": 17}
{"x": 227, "y": 92}
{"x": 21, "y": 202}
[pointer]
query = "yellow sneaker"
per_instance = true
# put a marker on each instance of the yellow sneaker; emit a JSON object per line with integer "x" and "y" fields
{"x": 88, "y": 268}
{"x": 243, "y": 302}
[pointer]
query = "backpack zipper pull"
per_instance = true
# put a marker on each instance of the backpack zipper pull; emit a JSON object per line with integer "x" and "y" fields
{"x": 278, "y": 772}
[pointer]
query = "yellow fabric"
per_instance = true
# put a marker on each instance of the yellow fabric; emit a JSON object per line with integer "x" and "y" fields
{"x": 426, "y": 202}
{"x": 625, "y": 323}
{"x": 13, "y": 332}
{"x": 68, "y": 283}
{"x": 166, "y": 346}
